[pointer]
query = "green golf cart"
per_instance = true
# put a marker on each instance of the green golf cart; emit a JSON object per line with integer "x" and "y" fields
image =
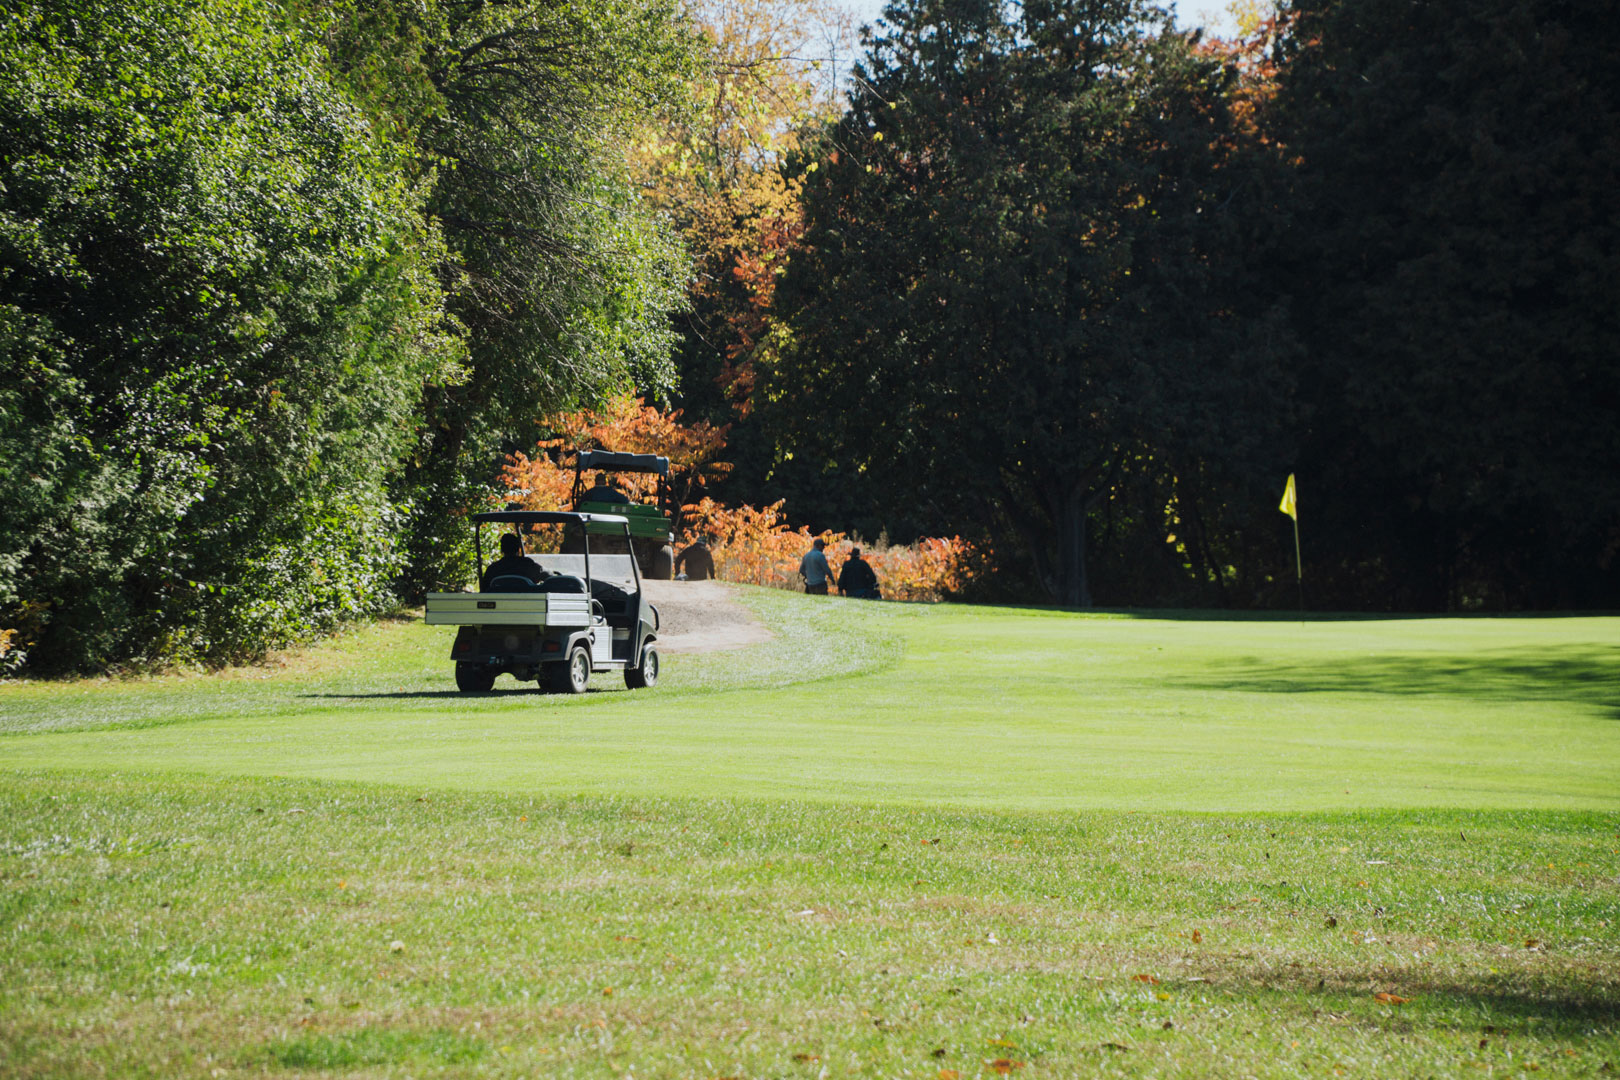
{"x": 652, "y": 527}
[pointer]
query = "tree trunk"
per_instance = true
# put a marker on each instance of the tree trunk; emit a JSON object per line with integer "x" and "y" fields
{"x": 1076, "y": 588}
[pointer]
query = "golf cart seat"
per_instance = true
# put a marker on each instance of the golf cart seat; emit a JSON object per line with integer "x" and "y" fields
{"x": 512, "y": 583}
{"x": 563, "y": 583}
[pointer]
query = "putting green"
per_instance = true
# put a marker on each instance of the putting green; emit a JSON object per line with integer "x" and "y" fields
{"x": 944, "y": 705}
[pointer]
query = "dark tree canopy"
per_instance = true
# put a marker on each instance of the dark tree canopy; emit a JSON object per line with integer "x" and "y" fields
{"x": 1455, "y": 269}
{"x": 1023, "y": 274}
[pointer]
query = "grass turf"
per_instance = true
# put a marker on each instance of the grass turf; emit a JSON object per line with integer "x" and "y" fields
{"x": 896, "y": 841}
{"x": 989, "y": 707}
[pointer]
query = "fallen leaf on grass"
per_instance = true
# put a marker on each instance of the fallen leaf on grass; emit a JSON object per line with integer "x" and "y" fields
{"x": 1113, "y": 1046}
{"x": 1197, "y": 938}
{"x": 949, "y": 1074}
{"x": 1390, "y": 999}
{"x": 1149, "y": 979}
{"x": 805, "y": 1057}
{"x": 1004, "y": 1065}
{"x": 1532, "y": 943}
{"x": 1001, "y": 1042}
{"x": 607, "y": 991}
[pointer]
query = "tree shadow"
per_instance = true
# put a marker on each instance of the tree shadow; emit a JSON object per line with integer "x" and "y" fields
{"x": 1542, "y": 1009}
{"x": 1283, "y": 616}
{"x": 524, "y": 692}
{"x": 1578, "y": 674}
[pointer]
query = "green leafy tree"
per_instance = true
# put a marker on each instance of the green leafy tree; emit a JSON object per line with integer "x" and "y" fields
{"x": 524, "y": 118}
{"x": 218, "y": 309}
{"x": 1023, "y": 275}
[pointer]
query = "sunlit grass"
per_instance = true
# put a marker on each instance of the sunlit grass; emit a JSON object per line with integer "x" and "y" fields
{"x": 894, "y": 841}
{"x": 168, "y": 926}
{"x": 854, "y": 701}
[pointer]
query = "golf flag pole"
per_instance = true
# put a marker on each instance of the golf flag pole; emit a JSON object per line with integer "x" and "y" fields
{"x": 1291, "y": 508}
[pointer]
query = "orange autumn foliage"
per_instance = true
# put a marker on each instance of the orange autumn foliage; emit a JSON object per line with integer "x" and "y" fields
{"x": 757, "y": 547}
{"x": 751, "y": 545}
{"x": 626, "y": 424}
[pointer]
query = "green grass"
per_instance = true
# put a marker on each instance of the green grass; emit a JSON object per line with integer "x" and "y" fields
{"x": 994, "y": 708}
{"x": 894, "y": 841}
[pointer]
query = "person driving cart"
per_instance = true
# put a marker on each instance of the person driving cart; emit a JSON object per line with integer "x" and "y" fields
{"x": 512, "y": 563}
{"x": 604, "y": 492}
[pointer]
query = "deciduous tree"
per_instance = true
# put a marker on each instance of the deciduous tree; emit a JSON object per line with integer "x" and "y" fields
{"x": 1022, "y": 271}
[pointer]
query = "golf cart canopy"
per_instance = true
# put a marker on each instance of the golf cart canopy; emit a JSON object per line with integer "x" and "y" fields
{"x": 616, "y": 462}
{"x": 548, "y": 517}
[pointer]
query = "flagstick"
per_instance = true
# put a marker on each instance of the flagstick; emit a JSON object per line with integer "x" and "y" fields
{"x": 1299, "y": 570}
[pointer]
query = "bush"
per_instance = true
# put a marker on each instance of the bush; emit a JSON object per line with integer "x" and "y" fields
{"x": 220, "y": 311}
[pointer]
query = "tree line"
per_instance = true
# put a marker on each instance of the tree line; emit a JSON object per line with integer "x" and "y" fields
{"x": 279, "y": 284}
{"x": 1086, "y": 287}
{"x": 282, "y": 282}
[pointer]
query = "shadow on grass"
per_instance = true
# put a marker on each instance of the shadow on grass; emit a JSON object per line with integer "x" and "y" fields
{"x": 1582, "y": 675}
{"x": 1578, "y": 676}
{"x": 1295, "y": 616}
{"x": 448, "y": 695}
{"x": 1544, "y": 1008}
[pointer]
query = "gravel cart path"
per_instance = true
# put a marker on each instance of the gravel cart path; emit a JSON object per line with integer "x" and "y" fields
{"x": 702, "y": 616}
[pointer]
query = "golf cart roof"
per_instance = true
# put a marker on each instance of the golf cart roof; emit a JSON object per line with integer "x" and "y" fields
{"x": 548, "y": 517}
{"x": 616, "y": 462}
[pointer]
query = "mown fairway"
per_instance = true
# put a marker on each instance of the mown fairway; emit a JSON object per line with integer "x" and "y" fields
{"x": 894, "y": 841}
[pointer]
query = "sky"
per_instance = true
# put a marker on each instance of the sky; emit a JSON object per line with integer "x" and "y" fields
{"x": 1209, "y": 13}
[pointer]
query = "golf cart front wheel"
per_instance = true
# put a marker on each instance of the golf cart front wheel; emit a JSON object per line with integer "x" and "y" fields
{"x": 474, "y": 678}
{"x": 639, "y": 678}
{"x": 572, "y": 675}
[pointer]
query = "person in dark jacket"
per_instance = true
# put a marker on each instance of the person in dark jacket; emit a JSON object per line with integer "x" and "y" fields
{"x": 855, "y": 578}
{"x": 511, "y": 562}
{"x": 697, "y": 559}
{"x": 604, "y": 492}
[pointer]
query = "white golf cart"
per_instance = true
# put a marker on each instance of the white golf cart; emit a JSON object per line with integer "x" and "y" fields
{"x": 570, "y": 616}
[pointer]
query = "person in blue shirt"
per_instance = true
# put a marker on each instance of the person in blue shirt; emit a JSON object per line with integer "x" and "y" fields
{"x": 814, "y": 569}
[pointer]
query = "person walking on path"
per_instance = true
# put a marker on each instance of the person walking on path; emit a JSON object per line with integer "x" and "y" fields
{"x": 814, "y": 569}
{"x": 856, "y": 578}
{"x": 698, "y": 560}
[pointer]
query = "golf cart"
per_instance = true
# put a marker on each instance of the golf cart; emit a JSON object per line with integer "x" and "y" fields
{"x": 583, "y": 612}
{"x": 652, "y": 534}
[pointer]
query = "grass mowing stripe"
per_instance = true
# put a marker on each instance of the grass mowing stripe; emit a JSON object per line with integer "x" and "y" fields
{"x": 403, "y": 666}
{"x": 164, "y": 926}
{"x": 990, "y": 707}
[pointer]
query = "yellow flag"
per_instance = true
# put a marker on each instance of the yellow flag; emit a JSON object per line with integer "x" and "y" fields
{"x": 1287, "y": 504}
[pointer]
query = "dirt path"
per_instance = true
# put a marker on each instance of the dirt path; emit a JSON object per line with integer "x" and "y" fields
{"x": 702, "y": 616}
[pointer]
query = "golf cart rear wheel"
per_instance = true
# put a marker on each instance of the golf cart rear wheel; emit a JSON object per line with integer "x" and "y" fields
{"x": 474, "y": 678}
{"x": 572, "y": 675}
{"x": 639, "y": 678}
